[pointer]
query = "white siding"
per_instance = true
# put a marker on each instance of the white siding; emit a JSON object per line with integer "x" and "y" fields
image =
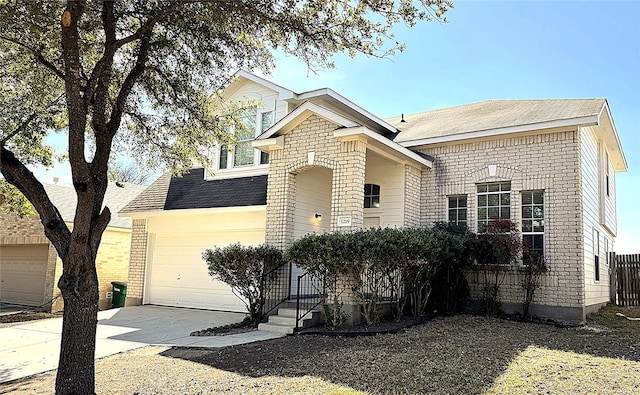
{"x": 390, "y": 177}
{"x": 610, "y": 215}
{"x": 237, "y": 221}
{"x": 313, "y": 196}
{"x": 269, "y": 98}
{"x": 595, "y": 291}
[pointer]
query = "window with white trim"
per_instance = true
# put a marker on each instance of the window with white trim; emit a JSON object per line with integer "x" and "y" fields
{"x": 457, "y": 211}
{"x": 242, "y": 154}
{"x": 596, "y": 255}
{"x": 533, "y": 223}
{"x": 371, "y": 196}
{"x": 494, "y": 202}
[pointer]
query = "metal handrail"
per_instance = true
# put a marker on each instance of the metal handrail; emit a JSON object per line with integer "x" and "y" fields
{"x": 282, "y": 289}
{"x": 321, "y": 296}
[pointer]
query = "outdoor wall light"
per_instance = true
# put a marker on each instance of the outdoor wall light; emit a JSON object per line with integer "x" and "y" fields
{"x": 318, "y": 216}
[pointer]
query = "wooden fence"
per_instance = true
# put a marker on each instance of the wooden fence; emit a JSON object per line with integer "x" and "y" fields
{"x": 625, "y": 279}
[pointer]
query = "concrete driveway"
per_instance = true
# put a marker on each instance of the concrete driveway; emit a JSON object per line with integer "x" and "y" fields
{"x": 34, "y": 347}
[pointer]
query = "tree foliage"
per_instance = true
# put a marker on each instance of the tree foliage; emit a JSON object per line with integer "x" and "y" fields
{"x": 249, "y": 271}
{"x": 12, "y": 201}
{"x": 140, "y": 76}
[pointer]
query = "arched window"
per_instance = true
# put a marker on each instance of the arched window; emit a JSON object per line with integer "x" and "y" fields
{"x": 371, "y": 196}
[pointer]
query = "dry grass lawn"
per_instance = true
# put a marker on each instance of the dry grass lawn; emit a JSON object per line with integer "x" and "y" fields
{"x": 454, "y": 355}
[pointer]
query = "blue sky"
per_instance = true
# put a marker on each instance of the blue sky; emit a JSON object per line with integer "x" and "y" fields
{"x": 504, "y": 50}
{"x": 507, "y": 50}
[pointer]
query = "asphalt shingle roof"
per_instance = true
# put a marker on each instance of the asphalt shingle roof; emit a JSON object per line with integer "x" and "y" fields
{"x": 152, "y": 198}
{"x": 492, "y": 114}
{"x": 191, "y": 190}
{"x": 65, "y": 199}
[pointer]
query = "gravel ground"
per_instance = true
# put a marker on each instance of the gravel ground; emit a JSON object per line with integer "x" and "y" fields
{"x": 455, "y": 355}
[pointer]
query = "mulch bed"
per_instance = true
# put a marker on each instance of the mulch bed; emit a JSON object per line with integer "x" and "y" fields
{"x": 239, "y": 327}
{"x": 385, "y": 326}
{"x": 24, "y": 316}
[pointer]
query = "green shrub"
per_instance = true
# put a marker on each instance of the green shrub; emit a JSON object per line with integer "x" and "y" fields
{"x": 494, "y": 252}
{"x": 245, "y": 269}
{"x": 535, "y": 266}
{"x": 394, "y": 266}
{"x": 450, "y": 288}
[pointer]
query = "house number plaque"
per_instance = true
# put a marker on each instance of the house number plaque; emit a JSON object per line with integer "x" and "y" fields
{"x": 344, "y": 220}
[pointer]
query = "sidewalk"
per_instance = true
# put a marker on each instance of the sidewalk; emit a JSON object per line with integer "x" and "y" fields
{"x": 31, "y": 348}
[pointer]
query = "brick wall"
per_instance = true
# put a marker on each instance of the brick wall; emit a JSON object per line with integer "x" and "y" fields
{"x": 29, "y": 231}
{"x": 137, "y": 262}
{"x": 412, "y": 204}
{"x": 308, "y": 145}
{"x": 548, "y": 161}
{"x": 112, "y": 261}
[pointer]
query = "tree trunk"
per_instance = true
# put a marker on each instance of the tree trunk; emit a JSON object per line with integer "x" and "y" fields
{"x": 79, "y": 286}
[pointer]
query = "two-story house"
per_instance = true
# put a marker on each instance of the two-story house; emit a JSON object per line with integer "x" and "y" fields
{"x": 317, "y": 162}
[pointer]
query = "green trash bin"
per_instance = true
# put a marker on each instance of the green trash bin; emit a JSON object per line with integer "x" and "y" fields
{"x": 119, "y": 293}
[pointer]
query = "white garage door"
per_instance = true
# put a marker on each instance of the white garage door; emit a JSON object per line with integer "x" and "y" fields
{"x": 178, "y": 275}
{"x": 23, "y": 270}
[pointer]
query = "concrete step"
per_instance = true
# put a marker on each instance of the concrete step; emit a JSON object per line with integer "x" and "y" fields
{"x": 276, "y": 328}
{"x": 287, "y": 312}
{"x": 280, "y": 320}
{"x": 292, "y": 303}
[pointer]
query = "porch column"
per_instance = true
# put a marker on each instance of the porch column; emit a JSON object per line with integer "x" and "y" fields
{"x": 137, "y": 262}
{"x": 348, "y": 185}
{"x": 279, "y": 205}
{"x": 412, "y": 182}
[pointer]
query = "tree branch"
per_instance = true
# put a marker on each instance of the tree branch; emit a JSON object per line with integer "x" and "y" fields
{"x": 37, "y": 54}
{"x": 129, "y": 82}
{"x": 22, "y": 178}
{"x": 101, "y": 77}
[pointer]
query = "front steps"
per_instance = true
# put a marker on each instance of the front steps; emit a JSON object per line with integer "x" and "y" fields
{"x": 285, "y": 320}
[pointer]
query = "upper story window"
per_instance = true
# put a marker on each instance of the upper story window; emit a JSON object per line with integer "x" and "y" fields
{"x": 371, "y": 196}
{"x": 494, "y": 202}
{"x": 533, "y": 223}
{"x": 458, "y": 209}
{"x": 255, "y": 123}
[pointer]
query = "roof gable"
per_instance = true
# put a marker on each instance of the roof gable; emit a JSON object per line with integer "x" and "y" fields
{"x": 241, "y": 77}
{"x": 304, "y": 111}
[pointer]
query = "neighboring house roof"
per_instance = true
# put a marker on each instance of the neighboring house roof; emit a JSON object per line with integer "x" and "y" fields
{"x": 191, "y": 190}
{"x": 116, "y": 197}
{"x": 491, "y": 115}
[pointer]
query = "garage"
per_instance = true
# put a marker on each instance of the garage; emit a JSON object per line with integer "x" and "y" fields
{"x": 23, "y": 270}
{"x": 176, "y": 274}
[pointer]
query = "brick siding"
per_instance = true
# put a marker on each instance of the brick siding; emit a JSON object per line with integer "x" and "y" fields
{"x": 548, "y": 161}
